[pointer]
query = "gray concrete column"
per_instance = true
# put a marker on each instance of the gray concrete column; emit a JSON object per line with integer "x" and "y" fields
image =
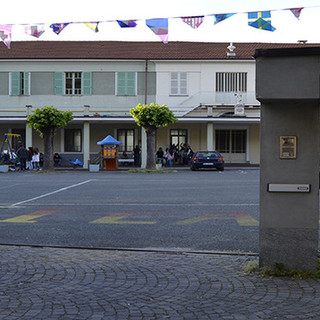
{"x": 143, "y": 148}
{"x": 28, "y": 142}
{"x": 86, "y": 143}
{"x": 209, "y": 136}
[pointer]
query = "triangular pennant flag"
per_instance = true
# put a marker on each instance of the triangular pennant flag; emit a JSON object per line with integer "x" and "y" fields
{"x": 260, "y": 20}
{"x": 296, "y": 12}
{"x": 5, "y": 34}
{"x": 35, "y": 31}
{"x": 58, "y": 27}
{"x": 92, "y": 25}
{"x": 159, "y": 27}
{"x": 220, "y": 17}
{"x": 193, "y": 22}
{"x": 127, "y": 23}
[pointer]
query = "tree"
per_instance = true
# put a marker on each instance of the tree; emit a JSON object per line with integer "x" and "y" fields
{"x": 46, "y": 120}
{"x": 151, "y": 117}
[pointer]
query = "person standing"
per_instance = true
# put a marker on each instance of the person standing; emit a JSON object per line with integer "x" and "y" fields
{"x": 160, "y": 155}
{"x": 22, "y": 153}
{"x": 36, "y": 159}
{"x": 136, "y": 156}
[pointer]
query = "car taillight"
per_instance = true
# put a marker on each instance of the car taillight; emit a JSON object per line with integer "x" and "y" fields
{"x": 195, "y": 159}
{"x": 220, "y": 159}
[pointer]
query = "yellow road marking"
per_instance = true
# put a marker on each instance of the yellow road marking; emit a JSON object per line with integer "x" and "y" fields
{"x": 29, "y": 218}
{"x": 242, "y": 218}
{"x": 118, "y": 219}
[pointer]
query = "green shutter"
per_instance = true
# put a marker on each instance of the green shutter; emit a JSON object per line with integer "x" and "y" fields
{"x": 87, "y": 83}
{"x": 15, "y": 88}
{"x": 26, "y": 83}
{"x": 59, "y": 83}
{"x": 126, "y": 83}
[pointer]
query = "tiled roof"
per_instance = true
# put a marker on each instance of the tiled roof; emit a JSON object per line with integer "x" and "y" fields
{"x": 134, "y": 50}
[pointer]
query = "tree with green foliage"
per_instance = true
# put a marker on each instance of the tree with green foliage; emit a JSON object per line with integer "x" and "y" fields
{"x": 151, "y": 117}
{"x": 45, "y": 121}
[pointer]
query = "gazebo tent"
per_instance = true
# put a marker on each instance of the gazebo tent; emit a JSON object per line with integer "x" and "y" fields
{"x": 109, "y": 140}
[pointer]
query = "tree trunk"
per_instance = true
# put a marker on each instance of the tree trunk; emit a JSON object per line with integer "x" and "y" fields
{"x": 151, "y": 147}
{"x": 48, "y": 149}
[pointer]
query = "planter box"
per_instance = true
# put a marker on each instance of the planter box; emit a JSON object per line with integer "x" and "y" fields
{"x": 94, "y": 167}
{"x": 158, "y": 166}
{"x": 4, "y": 168}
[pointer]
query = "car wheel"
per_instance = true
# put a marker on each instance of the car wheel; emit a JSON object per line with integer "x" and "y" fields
{"x": 192, "y": 168}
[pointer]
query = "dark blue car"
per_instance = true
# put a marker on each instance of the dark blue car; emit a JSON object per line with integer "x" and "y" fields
{"x": 207, "y": 160}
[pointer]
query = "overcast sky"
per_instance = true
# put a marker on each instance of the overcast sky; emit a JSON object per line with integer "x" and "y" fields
{"x": 235, "y": 28}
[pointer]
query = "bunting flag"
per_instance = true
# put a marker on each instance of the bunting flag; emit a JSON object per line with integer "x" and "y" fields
{"x": 92, "y": 25}
{"x": 58, "y": 27}
{"x": 35, "y": 31}
{"x": 296, "y": 12}
{"x": 159, "y": 27}
{"x": 220, "y": 17}
{"x": 5, "y": 34}
{"x": 260, "y": 20}
{"x": 193, "y": 22}
{"x": 127, "y": 23}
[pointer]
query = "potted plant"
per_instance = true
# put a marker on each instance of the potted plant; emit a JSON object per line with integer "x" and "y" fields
{"x": 94, "y": 166}
{"x": 158, "y": 165}
{"x": 4, "y": 167}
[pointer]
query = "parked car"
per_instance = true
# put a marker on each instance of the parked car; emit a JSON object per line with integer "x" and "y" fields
{"x": 208, "y": 160}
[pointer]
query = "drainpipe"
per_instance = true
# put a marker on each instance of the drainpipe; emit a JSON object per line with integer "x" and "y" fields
{"x": 146, "y": 84}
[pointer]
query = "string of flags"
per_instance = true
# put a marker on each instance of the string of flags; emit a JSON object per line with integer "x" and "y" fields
{"x": 260, "y": 20}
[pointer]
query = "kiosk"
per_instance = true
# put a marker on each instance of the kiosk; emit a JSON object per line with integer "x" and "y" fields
{"x": 109, "y": 152}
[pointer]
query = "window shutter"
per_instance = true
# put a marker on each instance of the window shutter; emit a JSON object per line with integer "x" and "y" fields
{"x": 58, "y": 83}
{"x": 27, "y": 83}
{"x": 126, "y": 83}
{"x": 14, "y": 85}
{"x": 183, "y": 83}
{"x": 87, "y": 83}
{"x": 174, "y": 83}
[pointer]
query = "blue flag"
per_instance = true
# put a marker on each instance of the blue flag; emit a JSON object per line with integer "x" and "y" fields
{"x": 260, "y": 20}
{"x": 220, "y": 17}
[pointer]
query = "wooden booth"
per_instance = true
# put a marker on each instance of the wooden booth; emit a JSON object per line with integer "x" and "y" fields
{"x": 109, "y": 153}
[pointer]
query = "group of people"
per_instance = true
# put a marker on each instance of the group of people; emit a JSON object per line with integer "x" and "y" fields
{"x": 23, "y": 158}
{"x": 174, "y": 155}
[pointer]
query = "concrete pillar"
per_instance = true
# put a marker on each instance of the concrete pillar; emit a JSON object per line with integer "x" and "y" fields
{"x": 288, "y": 88}
{"x": 210, "y": 136}
{"x": 86, "y": 143}
{"x": 28, "y": 142}
{"x": 143, "y": 148}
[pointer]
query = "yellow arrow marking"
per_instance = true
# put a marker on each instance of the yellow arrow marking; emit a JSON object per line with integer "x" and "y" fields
{"x": 29, "y": 218}
{"x": 242, "y": 218}
{"x": 117, "y": 219}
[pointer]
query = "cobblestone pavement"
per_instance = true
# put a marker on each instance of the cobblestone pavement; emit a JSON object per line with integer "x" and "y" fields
{"x": 52, "y": 283}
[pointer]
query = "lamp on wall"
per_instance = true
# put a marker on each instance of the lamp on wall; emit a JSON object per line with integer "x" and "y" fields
{"x": 29, "y": 107}
{"x": 86, "y": 110}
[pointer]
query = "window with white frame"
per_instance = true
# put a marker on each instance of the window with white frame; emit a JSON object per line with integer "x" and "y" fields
{"x": 178, "y": 83}
{"x": 126, "y": 136}
{"x": 73, "y": 83}
{"x": 126, "y": 83}
{"x": 231, "y": 82}
{"x": 19, "y": 83}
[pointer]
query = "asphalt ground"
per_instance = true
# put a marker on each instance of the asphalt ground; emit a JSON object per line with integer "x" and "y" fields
{"x": 186, "y": 211}
{"x": 45, "y": 282}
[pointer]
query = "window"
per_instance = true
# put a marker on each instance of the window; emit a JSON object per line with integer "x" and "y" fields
{"x": 178, "y": 83}
{"x": 126, "y": 136}
{"x": 231, "y": 141}
{"x": 231, "y": 82}
{"x": 126, "y": 83}
{"x": 178, "y": 137}
{"x": 19, "y": 83}
{"x": 72, "y": 140}
{"x": 73, "y": 83}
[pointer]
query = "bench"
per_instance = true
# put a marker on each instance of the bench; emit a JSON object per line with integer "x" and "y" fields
{"x": 125, "y": 161}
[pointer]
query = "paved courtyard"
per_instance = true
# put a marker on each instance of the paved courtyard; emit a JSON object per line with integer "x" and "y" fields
{"x": 53, "y": 283}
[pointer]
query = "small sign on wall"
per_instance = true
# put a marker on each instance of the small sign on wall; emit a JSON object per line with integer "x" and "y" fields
{"x": 288, "y": 147}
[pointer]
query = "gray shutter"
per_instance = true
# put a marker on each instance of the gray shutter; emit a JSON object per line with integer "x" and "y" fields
{"x": 121, "y": 83}
{"x": 26, "y": 83}
{"x": 87, "y": 83}
{"x": 14, "y": 85}
{"x": 59, "y": 83}
{"x": 126, "y": 83}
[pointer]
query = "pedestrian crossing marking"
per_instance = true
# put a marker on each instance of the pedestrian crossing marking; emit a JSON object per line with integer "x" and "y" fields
{"x": 242, "y": 218}
{"x": 118, "y": 219}
{"x": 29, "y": 218}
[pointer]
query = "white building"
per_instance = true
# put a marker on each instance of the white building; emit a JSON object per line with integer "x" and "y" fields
{"x": 209, "y": 86}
